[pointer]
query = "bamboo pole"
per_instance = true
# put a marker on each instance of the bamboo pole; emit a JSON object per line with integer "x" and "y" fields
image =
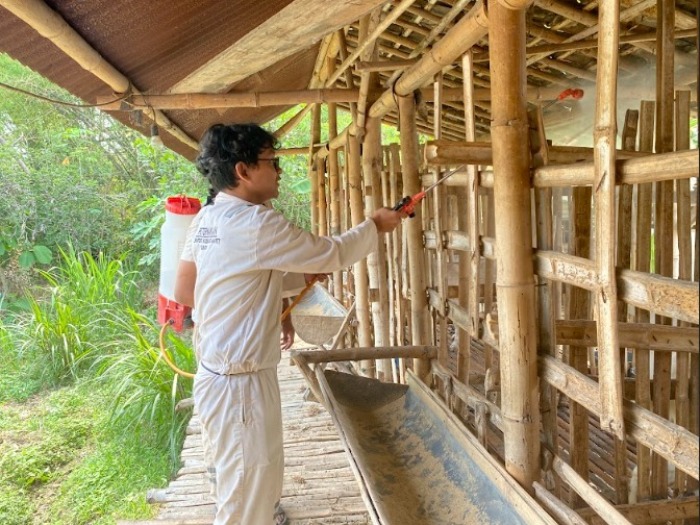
{"x": 597, "y": 502}
{"x": 663, "y": 219}
{"x": 682, "y": 134}
{"x": 322, "y": 199}
{"x": 416, "y": 263}
{"x": 556, "y": 508}
{"x": 391, "y": 262}
{"x": 51, "y": 25}
{"x": 343, "y": 52}
{"x": 641, "y": 336}
{"x": 624, "y": 241}
{"x": 334, "y": 191}
{"x": 641, "y": 264}
{"x": 481, "y": 153}
{"x": 396, "y": 258}
{"x": 424, "y": 352}
{"x": 376, "y": 261}
{"x": 545, "y": 306}
{"x": 516, "y": 293}
{"x": 313, "y": 169}
{"x": 663, "y": 167}
{"x": 437, "y": 199}
{"x": 604, "y": 203}
{"x": 579, "y": 308}
{"x": 650, "y": 513}
{"x": 361, "y": 281}
{"x": 469, "y": 222}
{"x": 368, "y": 81}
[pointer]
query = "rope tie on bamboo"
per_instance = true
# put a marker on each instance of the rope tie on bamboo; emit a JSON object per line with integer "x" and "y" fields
{"x": 170, "y": 322}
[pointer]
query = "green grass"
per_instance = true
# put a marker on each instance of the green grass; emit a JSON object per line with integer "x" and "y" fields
{"x": 62, "y": 461}
{"x": 87, "y": 420}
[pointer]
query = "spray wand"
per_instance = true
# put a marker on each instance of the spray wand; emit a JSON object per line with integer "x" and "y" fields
{"x": 408, "y": 203}
{"x": 575, "y": 93}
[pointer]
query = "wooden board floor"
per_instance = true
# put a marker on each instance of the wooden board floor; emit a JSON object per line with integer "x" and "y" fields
{"x": 319, "y": 486}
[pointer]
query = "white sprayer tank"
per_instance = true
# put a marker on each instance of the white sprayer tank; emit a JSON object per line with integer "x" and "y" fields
{"x": 179, "y": 212}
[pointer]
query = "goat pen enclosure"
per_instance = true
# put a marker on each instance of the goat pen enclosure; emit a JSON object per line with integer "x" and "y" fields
{"x": 558, "y": 282}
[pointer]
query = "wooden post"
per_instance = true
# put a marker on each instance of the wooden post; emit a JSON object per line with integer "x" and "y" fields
{"x": 469, "y": 297}
{"x": 322, "y": 199}
{"x": 545, "y": 296}
{"x": 515, "y": 282}
{"x": 663, "y": 218}
{"x": 397, "y": 249}
{"x": 624, "y": 242}
{"x": 641, "y": 263}
{"x": 376, "y": 261}
{"x": 334, "y": 192}
{"x": 579, "y": 308}
{"x": 438, "y": 200}
{"x": 682, "y": 114}
{"x": 416, "y": 261}
{"x": 313, "y": 174}
{"x": 360, "y": 268}
{"x": 604, "y": 203}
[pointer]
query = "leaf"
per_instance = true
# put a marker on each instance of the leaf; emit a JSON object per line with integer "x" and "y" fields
{"x": 27, "y": 260}
{"x": 301, "y": 186}
{"x": 42, "y": 253}
{"x": 3, "y": 250}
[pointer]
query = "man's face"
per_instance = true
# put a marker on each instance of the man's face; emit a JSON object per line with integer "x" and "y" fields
{"x": 265, "y": 176}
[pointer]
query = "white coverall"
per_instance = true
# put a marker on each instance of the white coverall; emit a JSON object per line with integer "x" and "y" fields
{"x": 241, "y": 251}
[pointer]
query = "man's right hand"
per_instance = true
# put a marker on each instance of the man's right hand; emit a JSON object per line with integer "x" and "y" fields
{"x": 387, "y": 219}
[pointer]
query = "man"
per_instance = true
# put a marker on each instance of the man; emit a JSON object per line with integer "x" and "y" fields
{"x": 232, "y": 274}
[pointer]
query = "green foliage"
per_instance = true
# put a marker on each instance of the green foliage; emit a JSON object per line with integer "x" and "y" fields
{"x": 144, "y": 390}
{"x": 74, "y": 176}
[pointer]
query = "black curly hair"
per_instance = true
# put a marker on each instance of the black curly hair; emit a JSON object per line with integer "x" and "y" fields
{"x": 223, "y": 146}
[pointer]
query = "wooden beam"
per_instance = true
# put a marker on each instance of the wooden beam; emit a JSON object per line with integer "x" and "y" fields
{"x": 368, "y": 353}
{"x": 631, "y": 335}
{"x": 589, "y": 494}
{"x": 677, "y": 444}
{"x": 450, "y": 152}
{"x": 652, "y": 168}
{"x": 650, "y": 512}
{"x": 384, "y": 65}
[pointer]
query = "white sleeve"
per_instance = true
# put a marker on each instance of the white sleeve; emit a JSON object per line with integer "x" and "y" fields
{"x": 283, "y": 246}
{"x": 292, "y": 284}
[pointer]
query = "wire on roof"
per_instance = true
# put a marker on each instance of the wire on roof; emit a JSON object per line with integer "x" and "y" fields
{"x": 60, "y": 102}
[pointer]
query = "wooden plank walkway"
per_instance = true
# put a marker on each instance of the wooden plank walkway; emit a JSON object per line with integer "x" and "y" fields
{"x": 319, "y": 486}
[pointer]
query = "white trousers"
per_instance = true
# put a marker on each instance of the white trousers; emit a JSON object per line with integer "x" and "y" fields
{"x": 242, "y": 416}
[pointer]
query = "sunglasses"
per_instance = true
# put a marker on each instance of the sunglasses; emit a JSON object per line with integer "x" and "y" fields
{"x": 275, "y": 162}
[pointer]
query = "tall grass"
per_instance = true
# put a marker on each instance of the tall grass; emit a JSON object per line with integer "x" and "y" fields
{"x": 90, "y": 327}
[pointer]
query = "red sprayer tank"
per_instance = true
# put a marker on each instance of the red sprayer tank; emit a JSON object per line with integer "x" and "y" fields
{"x": 179, "y": 212}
